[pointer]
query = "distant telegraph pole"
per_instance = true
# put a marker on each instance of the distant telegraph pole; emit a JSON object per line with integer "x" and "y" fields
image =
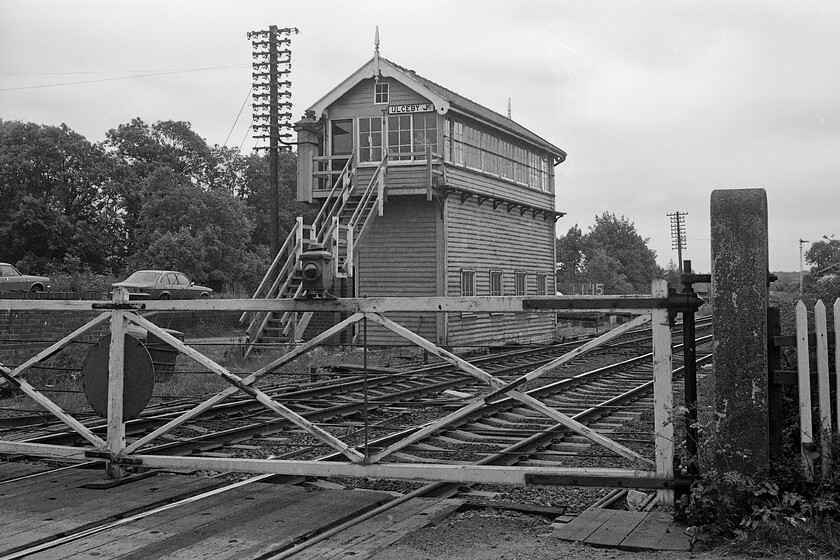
{"x": 678, "y": 235}
{"x": 270, "y": 96}
{"x": 801, "y": 243}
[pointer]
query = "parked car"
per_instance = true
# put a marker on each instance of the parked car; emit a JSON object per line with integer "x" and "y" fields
{"x": 13, "y": 281}
{"x": 162, "y": 284}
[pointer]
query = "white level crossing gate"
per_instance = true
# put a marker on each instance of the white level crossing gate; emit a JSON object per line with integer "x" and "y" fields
{"x": 121, "y": 313}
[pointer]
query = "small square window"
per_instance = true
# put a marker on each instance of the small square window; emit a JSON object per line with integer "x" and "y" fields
{"x": 541, "y": 284}
{"x": 467, "y": 283}
{"x": 520, "y": 283}
{"x": 495, "y": 283}
{"x": 381, "y": 92}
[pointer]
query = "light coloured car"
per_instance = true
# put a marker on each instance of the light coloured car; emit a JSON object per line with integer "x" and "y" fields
{"x": 162, "y": 284}
{"x": 11, "y": 280}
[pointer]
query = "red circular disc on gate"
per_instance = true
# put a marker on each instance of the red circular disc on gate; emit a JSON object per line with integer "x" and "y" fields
{"x": 138, "y": 377}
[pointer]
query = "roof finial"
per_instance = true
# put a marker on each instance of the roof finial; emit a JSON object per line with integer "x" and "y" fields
{"x": 377, "y": 71}
{"x": 509, "y": 108}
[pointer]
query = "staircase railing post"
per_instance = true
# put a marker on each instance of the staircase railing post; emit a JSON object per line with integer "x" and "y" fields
{"x": 429, "y": 173}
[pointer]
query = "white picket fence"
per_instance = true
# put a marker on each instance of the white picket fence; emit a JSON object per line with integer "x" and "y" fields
{"x": 809, "y": 453}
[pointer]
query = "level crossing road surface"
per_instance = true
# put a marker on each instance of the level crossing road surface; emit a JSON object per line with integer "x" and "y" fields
{"x": 248, "y": 521}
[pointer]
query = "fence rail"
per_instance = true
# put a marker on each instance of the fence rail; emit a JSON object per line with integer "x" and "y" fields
{"x": 823, "y": 339}
{"x": 120, "y": 313}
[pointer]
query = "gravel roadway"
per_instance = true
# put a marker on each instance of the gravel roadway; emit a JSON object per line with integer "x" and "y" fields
{"x": 497, "y": 535}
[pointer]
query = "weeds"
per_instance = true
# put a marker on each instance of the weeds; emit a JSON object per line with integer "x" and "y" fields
{"x": 775, "y": 512}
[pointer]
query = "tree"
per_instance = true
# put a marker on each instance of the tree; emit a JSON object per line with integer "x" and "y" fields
{"x": 257, "y": 182}
{"x": 59, "y": 199}
{"x": 612, "y": 253}
{"x": 571, "y": 253}
{"x": 824, "y": 278}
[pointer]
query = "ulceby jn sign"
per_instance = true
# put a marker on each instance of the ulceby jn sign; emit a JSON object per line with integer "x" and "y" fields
{"x": 415, "y": 108}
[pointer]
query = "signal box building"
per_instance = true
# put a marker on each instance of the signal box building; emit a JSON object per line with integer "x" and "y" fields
{"x": 431, "y": 194}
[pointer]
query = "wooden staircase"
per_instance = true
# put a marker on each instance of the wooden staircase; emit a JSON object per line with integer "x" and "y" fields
{"x": 343, "y": 219}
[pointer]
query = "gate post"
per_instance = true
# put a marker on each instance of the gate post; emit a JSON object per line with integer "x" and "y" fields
{"x": 663, "y": 393}
{"x": 739, "y": 243}
{"x": 116, "y": 363}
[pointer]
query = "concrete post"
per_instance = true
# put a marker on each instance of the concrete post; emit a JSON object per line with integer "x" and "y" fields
{"x": 739, "y": 304}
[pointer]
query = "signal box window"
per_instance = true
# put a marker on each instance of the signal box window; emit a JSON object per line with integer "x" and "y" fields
{"x": 520, "y": 283}
{"x": 495, "y": 283}
{"x": 541, "y": 284}
{"x": 467, "y": 283}
{"x": 370, "y": 139}
{"x": 381, "y": 92}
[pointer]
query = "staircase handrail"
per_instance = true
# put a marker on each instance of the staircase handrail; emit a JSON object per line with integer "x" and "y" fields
{"x": 369, "y": 191}
{"x": 290, "y": 240}
{"x": 333, "y": 203}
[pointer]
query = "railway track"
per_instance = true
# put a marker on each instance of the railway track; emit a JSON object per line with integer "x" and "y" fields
{"x": 609, "y": 391}
{"x": 334, "y": 403}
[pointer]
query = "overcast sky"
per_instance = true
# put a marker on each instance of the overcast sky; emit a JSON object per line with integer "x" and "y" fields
{"x": 656, "y": 102}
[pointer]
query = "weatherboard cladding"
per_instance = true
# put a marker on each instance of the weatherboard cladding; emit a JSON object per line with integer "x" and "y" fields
{"x": 398, "y": 257}
{"x": 484, "y": 240}
{"x": 358, "y": 101}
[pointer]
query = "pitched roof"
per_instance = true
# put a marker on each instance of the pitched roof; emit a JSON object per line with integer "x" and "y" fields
{"x": 443, "y": 99}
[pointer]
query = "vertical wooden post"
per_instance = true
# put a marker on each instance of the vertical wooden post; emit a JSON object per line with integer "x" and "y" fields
{"x": 739, "y": 244}
{"x": 663, "y": 396}
{"x": 116, "y": 362}
{"x": 836, "y": 309}
{"x": 774, "y": 357}
{"x": 803, "y": 366}
{"x": 821, "y": 326}
{"x": 428, "y": 173}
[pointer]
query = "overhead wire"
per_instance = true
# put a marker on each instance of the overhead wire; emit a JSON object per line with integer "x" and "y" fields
{"x": 164, "y": 73}
{"x": 248, "y": 96}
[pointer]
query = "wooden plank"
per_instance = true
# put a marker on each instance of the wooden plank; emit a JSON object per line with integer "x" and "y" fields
{"x": 199, "y": 517}
{"x": 663, "y": 393}
{"x": 836, "y": 309}
{"x": 657, "y": 531}
{"x": 824, "y": 396}
{"x": 377, "y": 533}
{"x": 13, "y": 471}
{"x": 615, "y": 529}
{"x": 74, "y": 507}
{"x": 803, "y": 365}
{"x": 584, "y": 524}
{"x": 271, "y": 526}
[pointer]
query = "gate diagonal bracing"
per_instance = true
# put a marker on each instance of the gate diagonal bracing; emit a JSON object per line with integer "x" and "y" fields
{"x": 649, "y": 474}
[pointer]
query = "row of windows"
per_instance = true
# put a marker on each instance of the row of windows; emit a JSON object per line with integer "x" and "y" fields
{"x": 405, "y": 134}
{"x": 496, "y": 278}
{"x": 471, "y": 147}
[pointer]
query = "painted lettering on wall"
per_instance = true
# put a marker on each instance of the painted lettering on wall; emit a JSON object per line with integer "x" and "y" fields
{"x": 414, "y": 108}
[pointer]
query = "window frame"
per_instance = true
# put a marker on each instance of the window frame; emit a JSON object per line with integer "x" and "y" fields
{"x": 370, "y": 133}
{"x": 520, "y": 284}
{"x": 497, "y": 277}
{"x": 381, "y": 90}
{"x": 541, "y": 286}
{"x": 468, "y": 274}
{"x": 430, "y": 135}
{"x": 474, "y": 147}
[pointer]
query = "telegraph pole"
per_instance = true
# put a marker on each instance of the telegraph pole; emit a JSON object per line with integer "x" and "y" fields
{"x": 678, "y": 235}
{"x": 801, "y": 243}
{"x": 270, "y": 64}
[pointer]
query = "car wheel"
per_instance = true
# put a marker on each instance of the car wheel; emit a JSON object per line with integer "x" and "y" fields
{"x": 204, "y": 295}
{"x": 36, "y": 288}
{"x": 164, "y": 296}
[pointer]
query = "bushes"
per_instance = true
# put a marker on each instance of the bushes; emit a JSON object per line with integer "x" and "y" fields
{"x": 776, "y": 512}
